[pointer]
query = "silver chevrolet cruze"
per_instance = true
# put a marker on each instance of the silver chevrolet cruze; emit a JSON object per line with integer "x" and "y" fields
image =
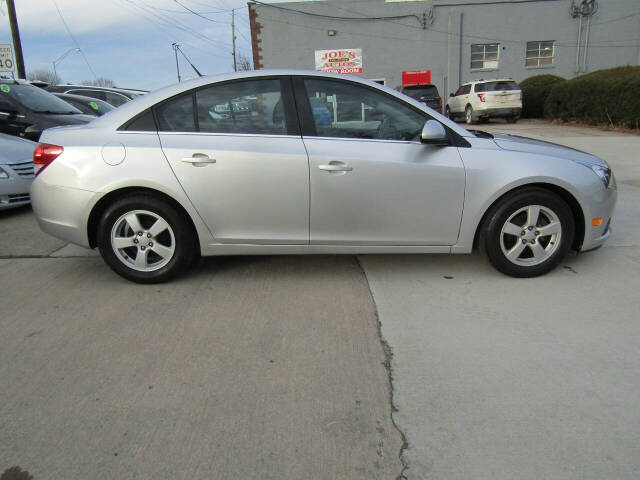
{"x": 297, "y": 162}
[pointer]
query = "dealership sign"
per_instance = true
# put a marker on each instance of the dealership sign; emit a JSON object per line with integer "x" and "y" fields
{"x": 345, "y": 60}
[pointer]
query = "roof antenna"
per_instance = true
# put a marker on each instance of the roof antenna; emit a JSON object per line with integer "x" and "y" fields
{"x": 188, "y": 61}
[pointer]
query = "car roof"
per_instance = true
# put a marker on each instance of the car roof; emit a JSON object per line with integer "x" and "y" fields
{"x": 106, "y": 89}
{"x": 493, "y": 80}
{"x": 127, "y": 111}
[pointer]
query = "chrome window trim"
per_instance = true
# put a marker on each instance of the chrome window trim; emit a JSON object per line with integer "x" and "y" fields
{"x": 210, "y": 134}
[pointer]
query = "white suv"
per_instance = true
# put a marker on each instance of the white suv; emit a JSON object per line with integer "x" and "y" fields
{"x": 484, "y": 99}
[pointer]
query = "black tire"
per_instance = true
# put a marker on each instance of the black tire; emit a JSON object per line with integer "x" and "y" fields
{"x": 448, "y": 114}
{"x": 179, "y": 235}
{"x": 513, "y": 119}
{"x": 492, "y": 240}
{"x": 468, "y": 115}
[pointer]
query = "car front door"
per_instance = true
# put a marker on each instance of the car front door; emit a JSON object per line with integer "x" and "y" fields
{"x": 372, "y": 182}
{"x": 236, "y": 149}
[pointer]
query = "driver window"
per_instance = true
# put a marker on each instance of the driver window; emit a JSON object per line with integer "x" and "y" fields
{"x": 345, "y": 110}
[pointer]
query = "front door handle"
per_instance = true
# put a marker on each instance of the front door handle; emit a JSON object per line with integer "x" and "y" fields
{"x": 336, "y": 167}
{"x": 199, "y": 159}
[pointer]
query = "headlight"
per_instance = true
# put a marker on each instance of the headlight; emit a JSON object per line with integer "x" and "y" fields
{"x": 605, "y": 175}
{"x": 3, "y": 174}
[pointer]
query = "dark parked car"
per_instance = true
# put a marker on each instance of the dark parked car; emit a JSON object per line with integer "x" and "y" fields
{"x": 427, "y": 94}
{"x": 88, "y": 105}
{"x": 26, "y": 110}
{"x": 113, "y": 96}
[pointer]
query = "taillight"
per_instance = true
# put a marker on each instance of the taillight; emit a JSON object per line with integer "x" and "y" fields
{"x": 481, "y": 96}
{"x": 440, "y": 101}
{"x": 44, "y": 154}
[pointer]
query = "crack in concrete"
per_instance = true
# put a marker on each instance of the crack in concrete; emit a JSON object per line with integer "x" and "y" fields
{"x": 388, "y": 357}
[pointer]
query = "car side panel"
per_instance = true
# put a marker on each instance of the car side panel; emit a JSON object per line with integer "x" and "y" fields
{"x": 492, "y": 172}
{"x": 82, "y": 171}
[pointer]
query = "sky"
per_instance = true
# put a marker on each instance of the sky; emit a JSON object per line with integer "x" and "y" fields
{"x": 129, "y": 41}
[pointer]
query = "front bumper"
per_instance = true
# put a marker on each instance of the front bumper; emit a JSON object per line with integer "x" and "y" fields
{"x": 14, "y": 191}
{"x": 62, "y": 211}
{"x": 600, "y": 206}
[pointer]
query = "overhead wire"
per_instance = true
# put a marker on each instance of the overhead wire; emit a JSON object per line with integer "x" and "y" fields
{"x": 73, "y": 38}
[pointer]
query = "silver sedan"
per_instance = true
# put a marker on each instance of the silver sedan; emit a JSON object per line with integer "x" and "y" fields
{"x": 297, "y": 162}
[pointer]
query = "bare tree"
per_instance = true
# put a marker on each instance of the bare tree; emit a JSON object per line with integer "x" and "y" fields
{"x": 99, "y": 82}
{"x": 244, "y": 63}
{"x": 44, "y": 75}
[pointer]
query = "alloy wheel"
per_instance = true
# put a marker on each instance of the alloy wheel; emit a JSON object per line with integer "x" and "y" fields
{"x": 143, "y": 240}
{"x": 531, "y": 235}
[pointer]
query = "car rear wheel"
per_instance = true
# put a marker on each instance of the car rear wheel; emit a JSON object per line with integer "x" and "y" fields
{"x": 468, "y": 115}
{"x": 145, "y": 239}
{"x": 527, "y": 233}
{"x": 512, "y": 119}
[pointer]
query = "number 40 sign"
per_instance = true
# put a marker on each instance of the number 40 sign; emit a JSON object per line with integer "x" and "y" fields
{"x": 6, "y": 58}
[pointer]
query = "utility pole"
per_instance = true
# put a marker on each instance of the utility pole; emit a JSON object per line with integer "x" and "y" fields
{"x": 233, "y": 39}
{"x": 15, "y": 36}
{"x": 175, "y": 51}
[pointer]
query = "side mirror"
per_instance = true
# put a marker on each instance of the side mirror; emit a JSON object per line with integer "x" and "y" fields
{"x": 434, "y": 133}
{"x": 451, "y": 95}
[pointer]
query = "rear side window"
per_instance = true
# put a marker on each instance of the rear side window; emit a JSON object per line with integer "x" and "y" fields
{"x": 142, "y": 123}
{"x": 423, "y": 91}
{"x": 176, "y": 115}
{"x": 496, "y": 86}
{"x": 251, "y": 106}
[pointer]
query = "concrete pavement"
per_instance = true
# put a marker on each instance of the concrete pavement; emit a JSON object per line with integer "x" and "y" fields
{"x": 500, "y": 378}
{"x": 255, "y": 367}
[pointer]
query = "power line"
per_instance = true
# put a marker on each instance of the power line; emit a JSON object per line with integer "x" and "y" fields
{"x": 197, "y": 14}
{"x": 74, "y": 40}
{"x": 334, "y": 17}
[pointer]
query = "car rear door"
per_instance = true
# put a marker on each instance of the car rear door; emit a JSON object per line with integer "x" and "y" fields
{"x": 371, "y": 180}
{"x": 236, "y": 149}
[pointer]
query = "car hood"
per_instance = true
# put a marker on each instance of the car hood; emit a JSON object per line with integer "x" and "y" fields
{"x": 15, "y": 149}
{"x": 530, "y": 145}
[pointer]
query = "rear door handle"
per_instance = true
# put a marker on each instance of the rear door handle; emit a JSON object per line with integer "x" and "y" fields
{"x": 199, "y": 159}
{"x": 335, "y": 168}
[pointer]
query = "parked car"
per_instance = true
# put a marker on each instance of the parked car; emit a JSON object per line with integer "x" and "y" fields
{"x": 16, "y": 170}
{"x": 401, "y": 178}
{"x": 485, "y": 99}
{"x": 113, "y": 96}
{"x": 427, "y": 94}
{"x": 26, "y": 110}
{"x": 87, "y": 105}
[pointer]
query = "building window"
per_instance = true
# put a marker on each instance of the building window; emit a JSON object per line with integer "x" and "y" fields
{"x": 540, "y": 54}
{"x": 485, "y": 56}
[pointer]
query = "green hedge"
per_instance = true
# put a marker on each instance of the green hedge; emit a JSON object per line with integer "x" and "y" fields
{"x": 534, "y": 93}
{"x": 602, "y": 97}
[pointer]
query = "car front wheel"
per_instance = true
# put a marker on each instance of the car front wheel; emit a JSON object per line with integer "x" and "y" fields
{"x": 145, "y": 239}
{"x": 527, "y": 233}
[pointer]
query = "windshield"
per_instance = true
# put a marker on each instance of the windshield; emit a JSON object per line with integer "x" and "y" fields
{"x": 423, "y": 91}
{"x": 36, "y": 99}
{"x": 497, "y": 86}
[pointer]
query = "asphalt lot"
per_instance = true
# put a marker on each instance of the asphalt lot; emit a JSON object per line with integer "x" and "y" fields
{"x": 273, "y": 367}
